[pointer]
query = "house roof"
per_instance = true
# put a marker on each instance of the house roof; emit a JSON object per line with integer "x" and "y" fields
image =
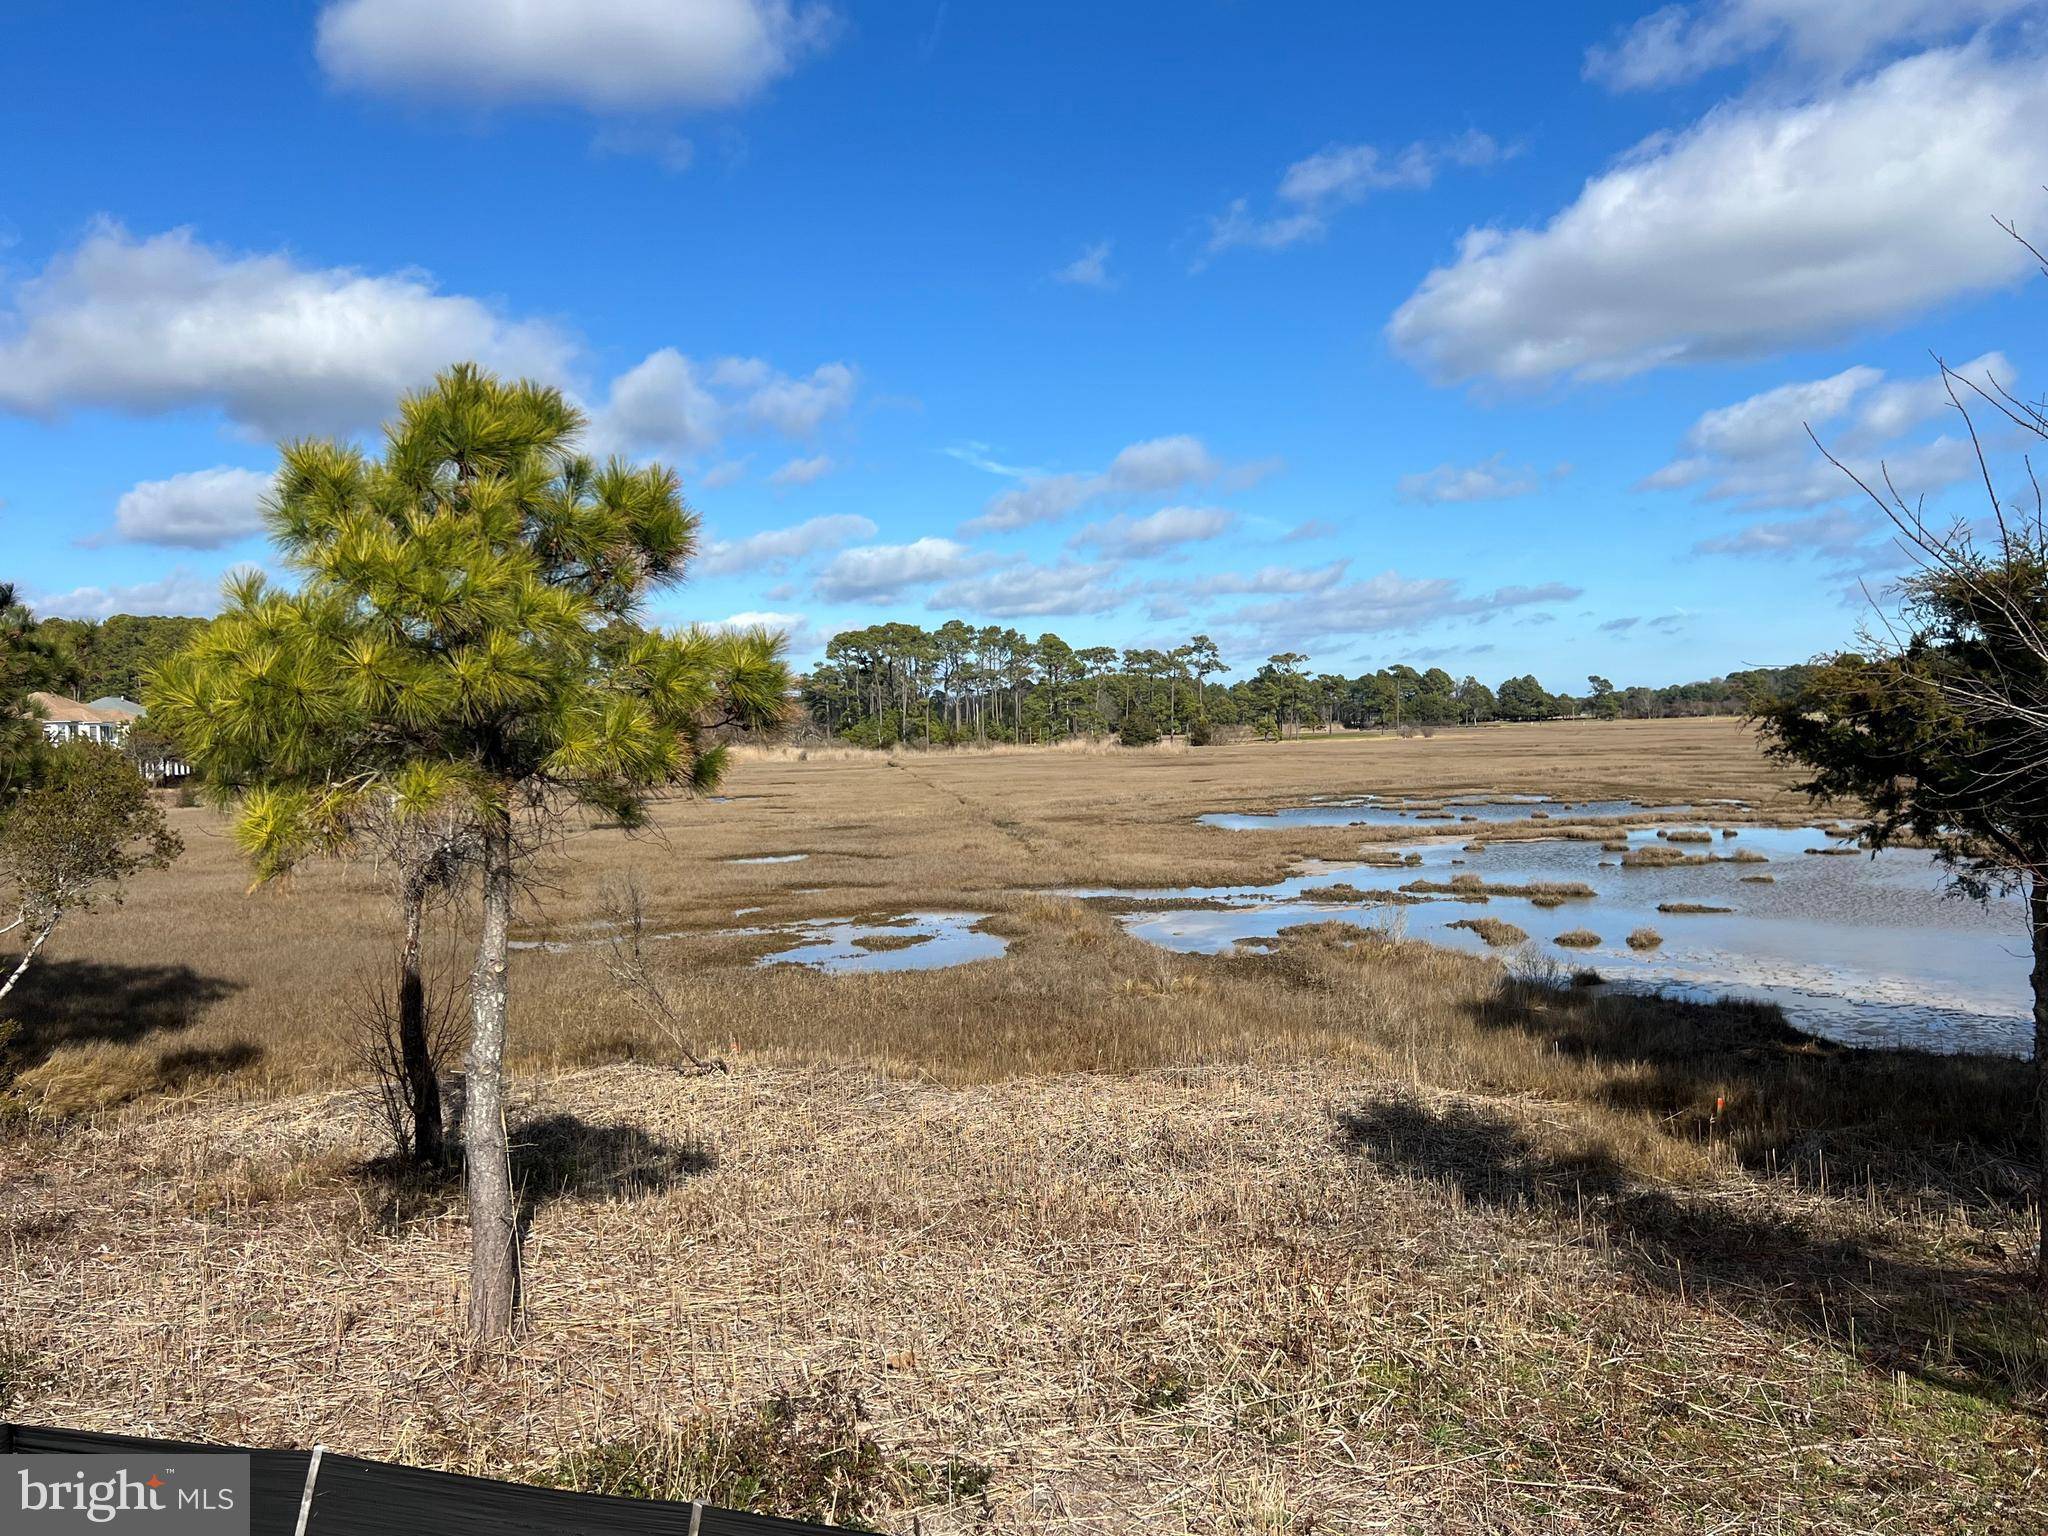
{"x": 55, "y": 706}
{"x": 114, "y": 704}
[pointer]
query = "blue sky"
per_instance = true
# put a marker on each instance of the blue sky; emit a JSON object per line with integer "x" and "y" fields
{"x": 1476, "y": 336}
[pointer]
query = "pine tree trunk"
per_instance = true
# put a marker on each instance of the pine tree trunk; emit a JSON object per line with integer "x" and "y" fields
{"x": 2037, "y": 902}
{"x": 422, "y": 1082}
{"x": 493, "y": 1221}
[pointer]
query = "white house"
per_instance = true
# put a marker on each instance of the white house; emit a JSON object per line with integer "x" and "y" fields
{"x": 105, "y": 721}
{"x": 68, "y": 720}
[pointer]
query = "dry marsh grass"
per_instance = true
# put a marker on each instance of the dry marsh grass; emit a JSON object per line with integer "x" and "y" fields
{"x": 1346, "y": 1233}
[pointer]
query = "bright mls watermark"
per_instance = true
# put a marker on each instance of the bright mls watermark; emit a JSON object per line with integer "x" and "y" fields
{"x": 159, "y": 1495}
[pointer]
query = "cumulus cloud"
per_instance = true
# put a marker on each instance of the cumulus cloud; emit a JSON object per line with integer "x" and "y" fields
{"x": 883, "y": 573}
{"x": 1158, "y": 466}
{"x": 1756, "y": 455}
{"x": 1336, "y": 176}
{"x": 661, "y": 402}
{"x": 1024, "y": 589}
{"x": 775, "y": 402}
{"x": 802, "y": 471}
{"x": 1491, "y": 479}
{"x": 606, "y": 55}
{"x": 777, "y": 549}
{"x": 804, "y": 638}
{"x": 168, "y": 322}
{"x": 1162, "y": 464}
{"x": 1310, "y": 529}
{"x": 1090, "y": 269}
{"x": 1760, "y": 226}
{"x": 1682, "y": 42}
{"x": 201, "y": 509}
{"x": 180, "y": 593}
{"x": 1155, "y": 532}
{"x": 671, "y": 403}
{"x": 1042, "y": 499}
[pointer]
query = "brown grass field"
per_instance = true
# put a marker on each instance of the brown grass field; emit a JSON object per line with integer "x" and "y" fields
{"x": 1352, "y": 1235}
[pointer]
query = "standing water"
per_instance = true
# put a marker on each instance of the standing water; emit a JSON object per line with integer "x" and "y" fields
{"x": 1862, "y": 949}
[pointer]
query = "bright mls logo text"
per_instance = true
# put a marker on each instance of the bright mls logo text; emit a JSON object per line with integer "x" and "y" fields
{"x": 204, "y": 1495}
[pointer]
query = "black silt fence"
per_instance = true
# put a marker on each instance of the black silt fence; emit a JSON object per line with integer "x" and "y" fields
{"x": 354, "y": 1497}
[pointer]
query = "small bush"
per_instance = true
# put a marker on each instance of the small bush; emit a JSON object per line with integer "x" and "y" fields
{"x": 1138, "y": 730}
{"x": 1201, "y": 733}
{"x": 800, "y": 1455}
{"x": 1690, "y": 907}
{"x": 1645, "y": 938}
{"x": 1578, "y": 938}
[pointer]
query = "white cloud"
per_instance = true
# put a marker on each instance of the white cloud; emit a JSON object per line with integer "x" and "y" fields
{"x": 1162, "y": 464}
{"x": 201, "y": 509}
{"x": 661, "y": 402}
{"x": 670, "y": 403}
{"x": 1337, "y": 176}
{"x": 1850, "y": 543}
{"x": 882, "y": 573}
{"x": 1760, "y": 226}
{"x": 1090, "y": 269}
{"x": 168, "y": 323}
{"x": 608, "y": 55}
{"x": 1391, "y": 601}
{"x": 1168, "y": 528}
{"x": 1491, "y": 479}
{"x": 804, "y": 638}
{"x": 1022, "y": 589}
{"x": 1271, "y": 580}
{"x": 181, "y": 593}
{"x": 1158, "y": 466}
{"x": 725, "y": 472}
{"x": 776, "y": 402}
{"x": 1757, "y": 455}
{"x": 1681, "y": 42}
{"x": 777, "y": 549}
{"x": 1044, "y": 499}
{"x": 802, "y": 471}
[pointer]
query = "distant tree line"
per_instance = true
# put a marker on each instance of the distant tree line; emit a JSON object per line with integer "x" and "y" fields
{"x": 897, "y": 683}
{"x": 108, "y": 658}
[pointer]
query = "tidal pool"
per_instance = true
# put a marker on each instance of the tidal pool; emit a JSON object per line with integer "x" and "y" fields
{"x": 1372, "y": 811}
{"x": 916, "y": 941}
{"x": 1869, "y": 951}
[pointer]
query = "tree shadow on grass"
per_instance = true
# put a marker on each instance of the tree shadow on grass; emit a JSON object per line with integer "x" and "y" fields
{"x": 556, "y": 1157}
{"x": 1964, "y": 1331}
{"x": 86, "y": 1002}
{"x": 1913, "y": 1125}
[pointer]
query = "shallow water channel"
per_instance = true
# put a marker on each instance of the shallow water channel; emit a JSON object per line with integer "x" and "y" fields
{"x": 1865, "y": 950}
{"x": 1372, "y": 811}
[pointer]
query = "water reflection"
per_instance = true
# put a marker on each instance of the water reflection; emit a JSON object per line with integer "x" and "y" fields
{"x": 1864, "y": 949}
{"x": 916, "y": 941}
